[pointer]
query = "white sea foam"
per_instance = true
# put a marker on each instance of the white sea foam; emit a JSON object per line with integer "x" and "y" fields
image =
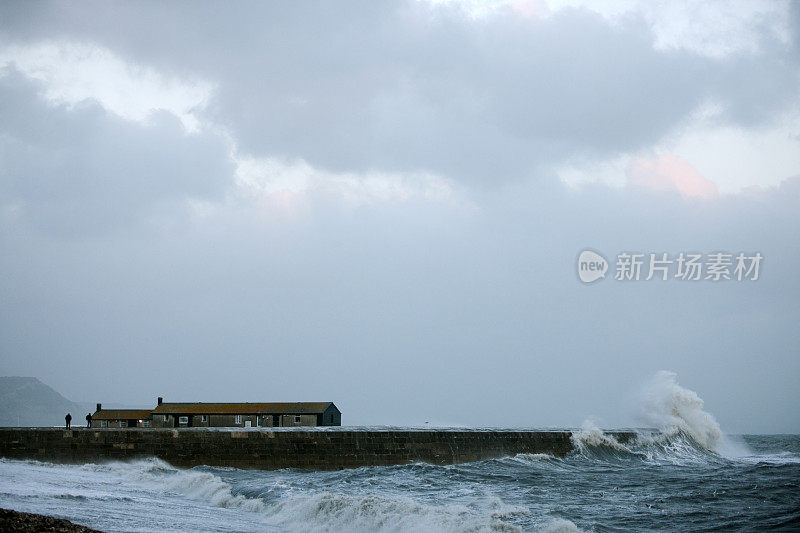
{"x": 560, "y": 525}
{"x": 590, "y": 436}
{"x": 329, "y": 511}
{"x": 675, "y": 410}
{"x": 198, "y": 485}
{"x": 323, "y": 510}
{"x": 533, "y": 457}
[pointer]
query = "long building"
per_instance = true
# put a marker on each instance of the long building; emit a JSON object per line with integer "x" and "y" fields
{"x": 200, "y": 414}
{"x": 121, "y": 418}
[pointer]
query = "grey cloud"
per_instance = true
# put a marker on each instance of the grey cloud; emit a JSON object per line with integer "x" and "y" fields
{"x": 83, "y": 169}
{"x": 404, "y": 86}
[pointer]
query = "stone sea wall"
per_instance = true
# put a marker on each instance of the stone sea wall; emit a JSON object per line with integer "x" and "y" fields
{"x": 268, "y": 450}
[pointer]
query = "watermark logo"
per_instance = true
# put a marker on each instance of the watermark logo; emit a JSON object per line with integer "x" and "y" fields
{"x": 591, "y": 266}
{"x": 683, "y": 266}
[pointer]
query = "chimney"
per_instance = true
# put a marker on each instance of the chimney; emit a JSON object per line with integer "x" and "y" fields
{"x": 160, "y": 399}
{"x": 99, "y": 406}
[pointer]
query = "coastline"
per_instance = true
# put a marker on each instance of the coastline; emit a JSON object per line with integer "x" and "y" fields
{"x": 11, "y": 520}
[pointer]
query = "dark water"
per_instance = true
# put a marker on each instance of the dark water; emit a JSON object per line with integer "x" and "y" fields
{"x": 668, "y": 485}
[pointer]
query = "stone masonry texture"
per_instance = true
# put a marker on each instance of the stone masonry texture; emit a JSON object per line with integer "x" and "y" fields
{"x": 268, "y": 450}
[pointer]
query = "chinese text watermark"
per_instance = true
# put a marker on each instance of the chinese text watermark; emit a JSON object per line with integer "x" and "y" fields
{"x": 683, "y": 266}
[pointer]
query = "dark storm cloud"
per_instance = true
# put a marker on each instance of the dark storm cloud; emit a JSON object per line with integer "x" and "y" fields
{"x": 82, "y": 169}
{"x": 406, "y": 86}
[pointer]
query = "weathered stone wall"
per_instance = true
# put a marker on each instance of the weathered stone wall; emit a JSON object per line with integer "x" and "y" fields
{"x": 268, "y": 450}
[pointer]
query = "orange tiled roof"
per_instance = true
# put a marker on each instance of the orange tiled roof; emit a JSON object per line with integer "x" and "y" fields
{"x": 121, "y": 414}
{"x": 297, "y": 408}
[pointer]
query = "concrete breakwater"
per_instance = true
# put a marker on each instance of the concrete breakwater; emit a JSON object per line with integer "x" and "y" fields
{"x": 270, "y": 450}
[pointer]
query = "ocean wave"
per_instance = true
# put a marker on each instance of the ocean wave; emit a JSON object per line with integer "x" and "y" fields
{"x": 684, "y": 431}
{"x": 590, "y": 437}
{"x": 675, "y": 410}
{"x": 329, "y": 511}
{"x": 559, "y": 525}
{"x": 320, "y": 511}
{"x": 530, "y": 458}
{"x": 199, "y": 485}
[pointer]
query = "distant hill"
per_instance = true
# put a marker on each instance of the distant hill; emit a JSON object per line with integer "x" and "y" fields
{"x": 29, "y": 402}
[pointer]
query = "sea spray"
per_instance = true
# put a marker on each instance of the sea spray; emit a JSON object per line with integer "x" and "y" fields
{"x": 675, "y": 410}
{"x": 590, "y": 436}
{"x": 685, "y": 432}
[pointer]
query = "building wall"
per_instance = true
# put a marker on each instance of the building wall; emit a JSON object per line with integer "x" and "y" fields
{"x": 219, "y": 421}
{"x": 331, "y": 417}
{"x": 118, "y": 424}
{"x": 162, "y": 421}
{"x": 170, "y": 421}
{"x": 224, "y": 421}
{"x": 298, "y": 420}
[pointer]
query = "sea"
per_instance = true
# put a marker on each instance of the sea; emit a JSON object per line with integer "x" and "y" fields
{"x": 686, "y": 476}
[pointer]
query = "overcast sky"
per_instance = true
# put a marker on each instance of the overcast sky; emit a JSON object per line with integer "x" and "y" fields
{"x": 381, "y": 204}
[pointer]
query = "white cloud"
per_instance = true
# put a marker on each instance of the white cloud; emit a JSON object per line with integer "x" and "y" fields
{"x": 73, "y": 72}
{"x": 733, "y": 157}
{"x": 713, "y": 29}
{"x": 277, "y": 178}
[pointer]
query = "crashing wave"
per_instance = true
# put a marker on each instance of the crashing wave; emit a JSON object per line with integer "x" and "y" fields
{"x": 684, "y": 431}
{"x": 675, "y": 410}
{"x": 590, "y": 437}
{"x": 326, "y": 511}
{"x": 322, "y": 511}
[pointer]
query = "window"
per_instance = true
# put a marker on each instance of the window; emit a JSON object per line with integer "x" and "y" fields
{"x": 183, "y": 420}
{"x": 146, "y": 423}
{"x": 238, "y": 419}
{"x": 331, "y": 419}
{"x": 297, "y": 419}
{"x": 203, "y": 418}
{"x": 123, "y": 423}
{"x": 104, "y": 423}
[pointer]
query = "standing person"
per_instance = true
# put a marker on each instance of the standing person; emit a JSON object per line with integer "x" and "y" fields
{"x": 68, "y": 419}
{"x": 89, "y": 420}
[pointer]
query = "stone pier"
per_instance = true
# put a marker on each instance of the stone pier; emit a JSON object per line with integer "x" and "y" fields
{"x": 328, "y": 449}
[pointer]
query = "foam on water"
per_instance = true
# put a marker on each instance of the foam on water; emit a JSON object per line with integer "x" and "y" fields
{"x": 292, "y": 509}
{"x": 601, "y": 485}
{"x": 326, "y": 511}
{"x": 590, "y": 436}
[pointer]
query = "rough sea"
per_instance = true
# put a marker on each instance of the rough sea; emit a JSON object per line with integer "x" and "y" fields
{"x": 688, "y": 477}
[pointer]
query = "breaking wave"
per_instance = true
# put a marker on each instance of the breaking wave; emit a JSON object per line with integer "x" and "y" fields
{"x": 683, "y": 430}
{"x": 675, "y": 410}
{"x": 192, "y": 483}
{"x": 328, "y": 510}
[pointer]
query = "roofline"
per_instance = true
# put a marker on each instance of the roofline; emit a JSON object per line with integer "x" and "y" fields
{"x": 233, "y": 403}
{"x": 249, "y": 408}
{"x": 124, "y": 410}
